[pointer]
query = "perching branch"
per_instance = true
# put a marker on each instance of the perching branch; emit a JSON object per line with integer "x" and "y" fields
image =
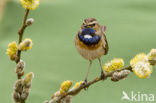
{"x": 75, "y": 91}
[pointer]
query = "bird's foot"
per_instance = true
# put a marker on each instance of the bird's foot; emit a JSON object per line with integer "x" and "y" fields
{"x": 84, "y": 83}
{"x": 102, "y": 75}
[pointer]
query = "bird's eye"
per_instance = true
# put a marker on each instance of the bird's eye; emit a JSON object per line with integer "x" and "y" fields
{"x": 83, "y": 24}
{"x": 92, "y": 25}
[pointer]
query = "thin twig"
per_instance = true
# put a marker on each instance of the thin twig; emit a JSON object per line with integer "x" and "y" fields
{"x": 20, "y": 33}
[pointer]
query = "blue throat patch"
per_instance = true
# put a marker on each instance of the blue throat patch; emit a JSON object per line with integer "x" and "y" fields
{"x": 88, "y": 31}
{"x": 89, "y": 41}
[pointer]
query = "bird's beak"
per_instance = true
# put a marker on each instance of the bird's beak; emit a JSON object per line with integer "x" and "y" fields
{"x": 85, "y": 26}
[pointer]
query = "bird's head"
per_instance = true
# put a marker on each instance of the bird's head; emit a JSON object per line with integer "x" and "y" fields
{"x": 88, "y": 32}
{"x": 90, "y": 23}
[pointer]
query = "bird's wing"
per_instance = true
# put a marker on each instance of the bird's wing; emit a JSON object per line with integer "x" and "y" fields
{"x": 76, "y": 37}
{"x": 103, "y": 28}
{"x": 104, "y": 39}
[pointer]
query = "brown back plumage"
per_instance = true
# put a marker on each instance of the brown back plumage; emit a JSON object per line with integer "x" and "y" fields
{"x": 105, "y": 45}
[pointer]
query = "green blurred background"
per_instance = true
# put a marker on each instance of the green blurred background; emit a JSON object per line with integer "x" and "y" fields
{"x": 131, "y": 29}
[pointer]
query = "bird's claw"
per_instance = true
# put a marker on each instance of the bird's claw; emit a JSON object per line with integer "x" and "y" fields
{"x": 102, "y": 75}
{"x": 84, "y": 83}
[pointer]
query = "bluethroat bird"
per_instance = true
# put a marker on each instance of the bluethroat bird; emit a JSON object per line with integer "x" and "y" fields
{"x": 91, "y": 42}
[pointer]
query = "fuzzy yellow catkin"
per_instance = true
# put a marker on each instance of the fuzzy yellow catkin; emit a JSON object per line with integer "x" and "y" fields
{"x": 137, "y": 58}
{"x": 116, "y": 76}
{"x": 18, "y": 88}
{"x": 22, "y": 88}
{"x": 142, "y": 69}
{"x": 78, "y": 84}
{"x": 28, "y": 78}
{"x": 152, "y": 54}
{"x": 20, "y": 68}
{"x": 27, "y": 85}
{"x": 115, "y": 64}
{"x": 65, "y": 86}
{"x": 140, "y": 66}
{"x": 30, "y": 4}
{"x": 25, "y": 45}
{"x": 30, "y": 21}
{"x": 12, "y": 49}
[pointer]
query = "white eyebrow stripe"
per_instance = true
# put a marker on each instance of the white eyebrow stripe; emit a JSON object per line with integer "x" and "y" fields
{"x": 94, "y": 22}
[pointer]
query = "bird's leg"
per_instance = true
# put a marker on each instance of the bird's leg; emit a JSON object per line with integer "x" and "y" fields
{"x": 90, "y": 63}
{"x": 102, "y": 72}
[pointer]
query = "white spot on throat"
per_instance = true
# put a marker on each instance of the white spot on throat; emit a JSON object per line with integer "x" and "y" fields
{"x": 87, "y": 36}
